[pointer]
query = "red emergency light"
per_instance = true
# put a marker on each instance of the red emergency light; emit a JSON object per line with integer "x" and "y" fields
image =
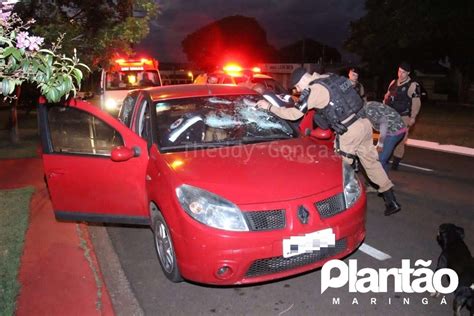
{"x": 136, "y": 64}
{"x": 235, "y": 70}
{"x": 256, "y": 69}
{"x": 146, "y": 61}
{"x": 232, "y": 68}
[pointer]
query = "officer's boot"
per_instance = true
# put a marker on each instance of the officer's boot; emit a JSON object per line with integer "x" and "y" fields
{"x": 396, "y": 162}
{"x": 391, "y": 204}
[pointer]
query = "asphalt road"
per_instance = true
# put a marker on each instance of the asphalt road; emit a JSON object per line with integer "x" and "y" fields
{"x": 429, "y": 197}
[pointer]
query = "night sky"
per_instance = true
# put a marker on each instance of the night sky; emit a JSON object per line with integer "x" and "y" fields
{"x": 285, "y": 22}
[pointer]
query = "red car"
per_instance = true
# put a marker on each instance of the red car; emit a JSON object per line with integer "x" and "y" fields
{"x": 232, "y": 193}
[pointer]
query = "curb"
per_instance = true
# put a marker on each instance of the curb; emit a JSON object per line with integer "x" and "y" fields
{"x": 453, "y": 149}
{"x": 123, "y": 299}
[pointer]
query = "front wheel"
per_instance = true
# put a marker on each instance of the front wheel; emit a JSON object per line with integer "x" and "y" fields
{"x": 165, "y": 250}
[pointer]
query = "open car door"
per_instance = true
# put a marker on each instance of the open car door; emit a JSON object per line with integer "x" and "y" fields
{"x": 94, "y": 165}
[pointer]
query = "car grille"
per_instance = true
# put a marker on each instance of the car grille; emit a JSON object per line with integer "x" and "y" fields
{"x": 279, "y": 264}
{"x": 265, "y": 220}
{"x": 331, "y": 206}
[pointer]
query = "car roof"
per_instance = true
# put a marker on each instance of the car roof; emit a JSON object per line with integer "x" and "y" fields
{"x": 195, "y": 90}
{"x": 222, "y": 73}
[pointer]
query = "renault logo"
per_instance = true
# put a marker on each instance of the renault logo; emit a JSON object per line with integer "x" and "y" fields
{"x": 303, "y": 214}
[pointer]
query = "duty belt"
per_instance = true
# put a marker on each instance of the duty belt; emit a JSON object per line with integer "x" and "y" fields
{"x": 351, "y": 121}
{"x": 355, "y": 159}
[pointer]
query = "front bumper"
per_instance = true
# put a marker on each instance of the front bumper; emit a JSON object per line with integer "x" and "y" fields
{"x": 213, "y": 256}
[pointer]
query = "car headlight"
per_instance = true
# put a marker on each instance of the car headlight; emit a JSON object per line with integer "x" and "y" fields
{"x": 211, "y": 209}
{"x": 111, "y": 104}
{"x": 352, "y": 189}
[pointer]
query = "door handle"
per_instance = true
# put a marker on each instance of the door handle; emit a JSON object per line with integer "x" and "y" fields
{"x": 55, "y": 173}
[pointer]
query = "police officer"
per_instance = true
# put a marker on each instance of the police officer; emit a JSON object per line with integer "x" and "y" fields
{"x": 353, "y": 76}
{"x": 338, "y": 105}
{"x": 404, "y": 96}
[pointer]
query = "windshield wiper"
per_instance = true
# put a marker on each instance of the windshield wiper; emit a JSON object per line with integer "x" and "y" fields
{"x": 235, "y": 142}
{"x": 202, "y": 145}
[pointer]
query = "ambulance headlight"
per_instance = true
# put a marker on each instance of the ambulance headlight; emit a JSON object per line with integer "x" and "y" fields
{"x": 111, "y": 104}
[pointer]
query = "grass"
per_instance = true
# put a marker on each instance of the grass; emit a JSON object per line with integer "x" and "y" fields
{"x": 14, "y": 207}
{"x": 446, "y": 124}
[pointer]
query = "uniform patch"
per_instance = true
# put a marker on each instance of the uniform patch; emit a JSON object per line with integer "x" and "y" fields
{"x": 345, "y": 85}
{"x": 417, "y": 92}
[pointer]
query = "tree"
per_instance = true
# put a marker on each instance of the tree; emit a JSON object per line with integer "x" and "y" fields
{"x": 235, "y": 38}
{"x": 22, "y": 59}
{"x": 416, "y": 31}
{"x": 98, "y": 29}
{"x": 309, "y": 51}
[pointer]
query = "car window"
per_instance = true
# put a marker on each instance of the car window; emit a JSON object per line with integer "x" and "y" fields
{"x": 227, "y": 80}
{"x": 127, "y": 80}
{"x": 126, "y": 111}
{"x": 216, "y": 121}
{"x": 271, "y": 84}
{"x": 240, "y": 79}
{"x": 77, "y": 132}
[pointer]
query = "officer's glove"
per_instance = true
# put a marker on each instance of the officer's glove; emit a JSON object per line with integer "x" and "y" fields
{"x": 304, "y": 95}
{"x": 339, "y": 128}
{"x": 321, "y": 121}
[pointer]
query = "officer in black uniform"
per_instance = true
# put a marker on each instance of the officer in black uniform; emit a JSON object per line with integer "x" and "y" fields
{"x": 403, "y": 95}
{"x": 353, "y": 76}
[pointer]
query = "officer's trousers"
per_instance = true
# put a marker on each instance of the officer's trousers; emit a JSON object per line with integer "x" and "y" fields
{"x": 358, "y": 141}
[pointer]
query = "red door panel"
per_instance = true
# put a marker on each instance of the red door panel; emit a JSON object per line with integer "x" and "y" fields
{"x": 83, "y": 181}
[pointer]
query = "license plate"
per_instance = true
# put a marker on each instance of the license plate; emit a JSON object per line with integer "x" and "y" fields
{"x": 308, "y": 243}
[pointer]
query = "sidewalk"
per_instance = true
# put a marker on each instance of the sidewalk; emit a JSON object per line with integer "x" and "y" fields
{"x": 453, "y": 149}
{"x": 59, "y": 273}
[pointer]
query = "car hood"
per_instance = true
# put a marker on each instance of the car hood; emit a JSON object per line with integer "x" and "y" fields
{"x": 258, "y": 173}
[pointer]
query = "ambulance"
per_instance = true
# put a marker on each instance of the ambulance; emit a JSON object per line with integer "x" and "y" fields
{"x": 123, "y": 75}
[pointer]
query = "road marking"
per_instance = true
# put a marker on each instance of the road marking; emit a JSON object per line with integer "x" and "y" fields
{"x": 371, "y": 251}
{"x": 416, "y": 167}
{"x": 286, "y": 310}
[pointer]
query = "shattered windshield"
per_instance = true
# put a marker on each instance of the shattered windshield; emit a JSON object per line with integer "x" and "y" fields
{"x": 206, "y": 122}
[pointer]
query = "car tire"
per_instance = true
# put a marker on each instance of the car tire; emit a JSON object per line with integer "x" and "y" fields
{"x": 164, "y": 249}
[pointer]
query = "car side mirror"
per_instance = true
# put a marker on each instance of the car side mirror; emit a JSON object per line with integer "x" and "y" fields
{"x": 122, "y": 153}
{"x": 319, "y": 133}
